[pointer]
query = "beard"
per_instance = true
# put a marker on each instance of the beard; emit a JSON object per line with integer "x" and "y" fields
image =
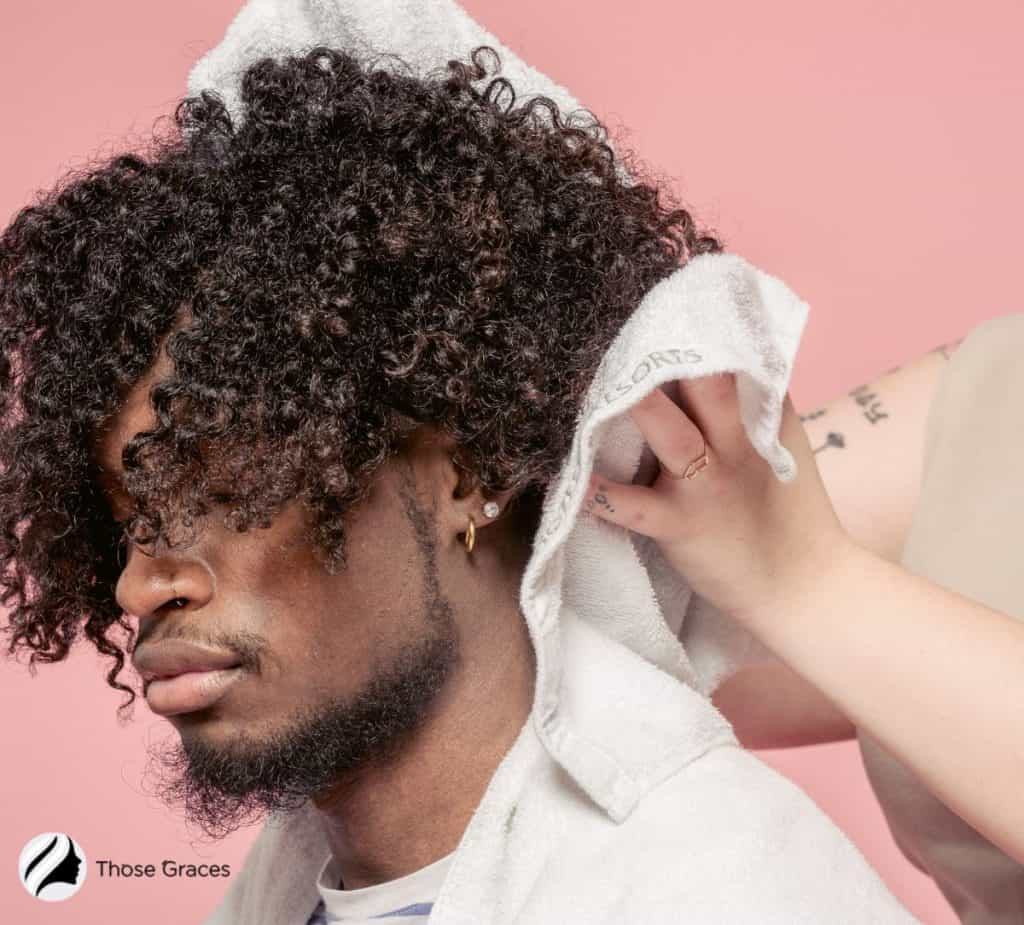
{"x": 226, "y": 786}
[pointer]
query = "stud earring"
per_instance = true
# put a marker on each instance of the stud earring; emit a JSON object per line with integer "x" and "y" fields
{"x": 491, "y": 509}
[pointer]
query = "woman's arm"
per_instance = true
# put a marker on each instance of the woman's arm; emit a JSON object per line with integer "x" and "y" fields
{"x": 868, "y": 446}
{"x": 770, "y": 706}
{"x": 935, "y": 677}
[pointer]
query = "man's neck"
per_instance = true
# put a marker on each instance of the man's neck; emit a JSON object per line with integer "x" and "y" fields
{"x": 394, "y": 819}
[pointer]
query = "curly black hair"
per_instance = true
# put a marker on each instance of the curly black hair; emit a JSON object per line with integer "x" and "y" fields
{"x": 361, "y": 250}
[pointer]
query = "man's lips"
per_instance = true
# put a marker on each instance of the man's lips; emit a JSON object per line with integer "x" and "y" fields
{"x": 180, "y": 676}
{"x": 173, "y": 657}
{"x": 190, "y": 691}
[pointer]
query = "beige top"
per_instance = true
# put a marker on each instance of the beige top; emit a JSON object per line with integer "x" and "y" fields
{"x": 965, "y": 536}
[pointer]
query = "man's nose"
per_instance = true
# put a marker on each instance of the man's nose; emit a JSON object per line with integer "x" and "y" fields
{"x": 153, "y": 583}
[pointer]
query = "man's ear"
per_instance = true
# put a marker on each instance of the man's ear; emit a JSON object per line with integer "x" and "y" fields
{"x": 464, "y": 481}
{"x": 477, "y": 501}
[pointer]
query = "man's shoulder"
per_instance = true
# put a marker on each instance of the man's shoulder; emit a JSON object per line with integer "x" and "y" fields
{"x": 724, "y": 796}
{"x": 728, "y": 797}
{"x": 728, "y": 839}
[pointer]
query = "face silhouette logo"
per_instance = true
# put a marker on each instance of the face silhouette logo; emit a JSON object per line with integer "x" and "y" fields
{"x": 52, "y": 867}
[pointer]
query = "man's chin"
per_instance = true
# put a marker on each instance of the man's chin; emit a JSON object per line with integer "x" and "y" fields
{"x": 222, "y": 778}
{"x": 217, "y": 789}
{"x": 227, "y": 774}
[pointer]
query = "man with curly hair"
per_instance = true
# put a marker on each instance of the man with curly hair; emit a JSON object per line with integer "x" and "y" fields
{"x": 288, "y": 392}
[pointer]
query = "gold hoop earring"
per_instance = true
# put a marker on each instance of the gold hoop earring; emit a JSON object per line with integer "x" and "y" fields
{"x": 470, "y": 534}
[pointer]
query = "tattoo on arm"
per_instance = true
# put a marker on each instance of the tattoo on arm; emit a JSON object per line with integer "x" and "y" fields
{"x": 944, "y": 349}
{"x": 870, "y": 402}
{"x": 832, "y": 440}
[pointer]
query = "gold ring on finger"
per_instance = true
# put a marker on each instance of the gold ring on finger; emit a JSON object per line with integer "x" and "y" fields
{"x": 697, "y": 465}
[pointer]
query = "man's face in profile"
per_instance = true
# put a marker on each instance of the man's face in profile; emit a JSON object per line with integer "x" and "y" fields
{"x": 333, "y": 670}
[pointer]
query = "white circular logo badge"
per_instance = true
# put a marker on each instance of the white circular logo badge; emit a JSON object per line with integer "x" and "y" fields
{"x": 52, "y": 867}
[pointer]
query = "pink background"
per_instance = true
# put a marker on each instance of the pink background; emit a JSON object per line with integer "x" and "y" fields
{"x": 869, "y": 156}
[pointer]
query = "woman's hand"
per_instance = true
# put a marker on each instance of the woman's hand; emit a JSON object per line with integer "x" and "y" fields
{"x": 907, "y": 661}
{"x": 743, "y": 539}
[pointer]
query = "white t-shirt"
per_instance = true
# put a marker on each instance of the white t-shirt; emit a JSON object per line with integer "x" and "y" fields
{"x": 408, "y": 899}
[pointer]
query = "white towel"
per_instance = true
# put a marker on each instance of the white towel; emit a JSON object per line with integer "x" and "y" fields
{"x": 718, "y": 313}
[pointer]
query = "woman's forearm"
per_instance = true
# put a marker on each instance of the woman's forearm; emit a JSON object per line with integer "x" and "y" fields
{"x": 937, "y": 678}
{"x": 934, "y": 677}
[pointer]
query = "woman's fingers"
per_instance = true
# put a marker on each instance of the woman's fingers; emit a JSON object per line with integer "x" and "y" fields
{"x": 677, "y": 442}
{"x": 673, "y": 437}
{"x": 712, "y": 404}
{"x": 678, "y": 436}
{"x": 635, "y": 507}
